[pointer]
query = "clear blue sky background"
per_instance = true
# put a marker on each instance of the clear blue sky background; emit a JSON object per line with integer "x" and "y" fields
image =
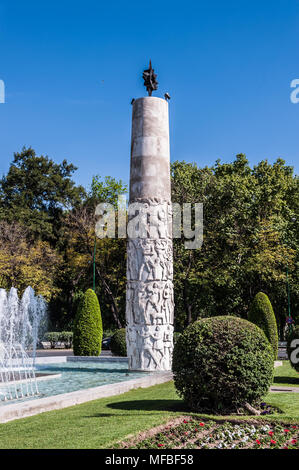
{"x": 71, "y": 69}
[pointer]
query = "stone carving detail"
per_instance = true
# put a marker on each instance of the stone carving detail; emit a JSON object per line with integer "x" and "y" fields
{"x": 150, "y": 218}
{"x": 149, "y": 260}
{"x": 150, "y": 346}
{"x": 149, "y": 302}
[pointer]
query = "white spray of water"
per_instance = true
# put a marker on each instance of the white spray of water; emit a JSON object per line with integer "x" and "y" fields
{"x": 22, "y": 323}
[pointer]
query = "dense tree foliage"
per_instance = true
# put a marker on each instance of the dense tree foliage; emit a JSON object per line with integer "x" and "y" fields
{"x": 24, "y": 262}
{"x": 36, "y": 191}
{"x": 250, "y": 238}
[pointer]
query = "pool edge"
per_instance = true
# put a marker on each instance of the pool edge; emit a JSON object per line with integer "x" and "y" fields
{"x": 65, "y": 400}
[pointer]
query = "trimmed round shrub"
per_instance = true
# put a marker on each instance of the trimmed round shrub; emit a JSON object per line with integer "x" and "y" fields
{"x": 293, "y": 347}
{"x": 118, "y": 343}
{"x": 222, "y": 363}
{"x": 88, "y": 330}
{"x": 261, "y": 313}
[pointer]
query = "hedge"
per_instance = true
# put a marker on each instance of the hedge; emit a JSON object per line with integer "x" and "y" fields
{"x": 118, "y": 344}
{"x": 261, "y": 314}
{"x": 88, "y": 330}
{"x": 55, "y": 337}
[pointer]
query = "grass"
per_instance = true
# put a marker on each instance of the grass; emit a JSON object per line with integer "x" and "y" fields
{"x": 95, "y": 424}
{"x": 285, "y": 375}
{"x": 101, "y": 423}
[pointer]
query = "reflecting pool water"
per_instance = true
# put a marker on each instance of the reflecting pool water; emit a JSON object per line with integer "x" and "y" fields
{"x": 79, "y": 376}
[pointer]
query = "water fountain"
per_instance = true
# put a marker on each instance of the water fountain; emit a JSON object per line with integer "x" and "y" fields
{"x": 21, "y": 323}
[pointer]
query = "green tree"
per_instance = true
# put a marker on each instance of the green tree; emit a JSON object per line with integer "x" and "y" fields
{"x": 36, "y": 191}
{"x": 88, "y": 330}
{"x": 25, "y": 262}
{"x": 261, "y": 314}
{"x": 79, "y": 244}
{"x": 107, "y": 190}
{"x": 248, "y": 216}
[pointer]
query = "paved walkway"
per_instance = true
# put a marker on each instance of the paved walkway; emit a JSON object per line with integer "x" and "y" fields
{"x": 278, "y": 388}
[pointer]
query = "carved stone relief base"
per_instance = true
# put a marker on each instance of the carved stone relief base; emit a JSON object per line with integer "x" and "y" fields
{"x": 150, "y": 347}
{"x": 149, "y": 301}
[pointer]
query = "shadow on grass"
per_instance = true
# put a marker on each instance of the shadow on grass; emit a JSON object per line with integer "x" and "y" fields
{"x": 149, "y": 405}
{"x": 286, "y": 380}
{"x": 143, "y": 405}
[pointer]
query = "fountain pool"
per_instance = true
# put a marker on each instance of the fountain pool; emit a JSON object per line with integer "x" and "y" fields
{"x": 30, "y": 385}
{"x": 78, "y": 380}
{"x": 80, "y": 375}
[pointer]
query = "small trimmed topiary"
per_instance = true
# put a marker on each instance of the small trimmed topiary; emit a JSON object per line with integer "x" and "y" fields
{"x": 118, "y": 343}
{"x": 293, "y": 347}
{"x": 222, "y": 363}
{"x": 52, "y": 337}
{"x": 261, "y": 314}
{"x": 88, "y": 330}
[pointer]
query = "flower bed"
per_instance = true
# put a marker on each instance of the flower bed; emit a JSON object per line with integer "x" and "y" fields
{"x": 192, "y": 433}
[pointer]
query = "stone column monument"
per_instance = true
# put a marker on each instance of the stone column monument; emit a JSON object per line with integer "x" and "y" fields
{"x": 149, "y": 302}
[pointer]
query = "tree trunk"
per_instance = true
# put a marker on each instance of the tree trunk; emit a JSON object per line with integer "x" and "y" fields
{"x": 110, "y": 295}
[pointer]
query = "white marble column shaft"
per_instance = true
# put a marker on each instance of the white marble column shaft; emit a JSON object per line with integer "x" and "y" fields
{"x": 149, "y": 303}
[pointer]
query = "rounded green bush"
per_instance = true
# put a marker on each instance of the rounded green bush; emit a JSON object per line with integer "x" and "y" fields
{"x": 221, "y": 363}
{"x": 293, "y": 347}
{"x": 261, "y": 313}
{"x": 52, "y": 337}
{"x": 118, "y": 343}
{"x": 88, "y": 330}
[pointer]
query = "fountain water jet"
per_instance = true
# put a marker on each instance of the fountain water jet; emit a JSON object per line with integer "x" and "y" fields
{"x": 21, "y": 324}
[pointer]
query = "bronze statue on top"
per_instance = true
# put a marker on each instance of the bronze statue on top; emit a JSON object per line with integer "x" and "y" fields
{"x": 149, "y": 78}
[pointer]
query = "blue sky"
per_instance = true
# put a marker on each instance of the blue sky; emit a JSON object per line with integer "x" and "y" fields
{"x": 71, "y": 69}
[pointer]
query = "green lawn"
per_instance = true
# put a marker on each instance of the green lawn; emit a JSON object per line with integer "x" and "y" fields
{"x": 286, "y": 375}
{"x": 101, "y": 423}
{"x": 95, "y": 424}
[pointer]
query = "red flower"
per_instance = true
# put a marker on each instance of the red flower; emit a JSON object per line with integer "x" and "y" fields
{"x": 294, "y": 427}
{"x": 286, "y": 430}
{"x": 185, "y": 421}
{"x": 294, "y": 441}
{"x": 160, "y": 445}
{"x": 273, "y": 442}
{"x": 258, "y": 442}
{"x": 271, "y": 433}
{"x": 195, "y": 429}
{"x": 186, "y": 433}
{"x": 201, "y": 424}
